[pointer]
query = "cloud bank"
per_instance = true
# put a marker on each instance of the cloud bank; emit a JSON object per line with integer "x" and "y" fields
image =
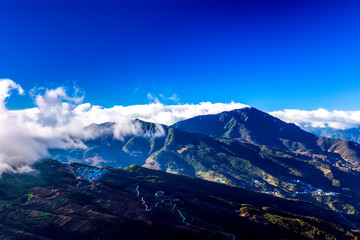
{"x": 320, "y": 118}
{"x": 61, "y": 121}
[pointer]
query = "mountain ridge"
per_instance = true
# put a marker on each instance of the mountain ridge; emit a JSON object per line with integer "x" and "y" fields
{"x": 254, "y": 126}
{"x": 275, "y": 170}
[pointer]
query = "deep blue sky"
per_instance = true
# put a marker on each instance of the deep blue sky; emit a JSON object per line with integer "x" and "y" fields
{"x": 270, "y": 54}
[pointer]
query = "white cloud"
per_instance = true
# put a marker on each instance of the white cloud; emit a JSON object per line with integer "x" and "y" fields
{"x": 174, "y": 98}
{"x": 320, "y": 118}
{"x": 6, "y": 86}
{"x": 56, "y": 107}
{"x": 61, "y": 121}
{"x": 18, "y": 148}
{"x": 152, "y": 98}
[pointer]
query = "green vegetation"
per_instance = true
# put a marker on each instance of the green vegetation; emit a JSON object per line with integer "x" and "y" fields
{"x": 30, "y": 196}
{"x": 15, "y": 185}
{"x": 308, "y": 227}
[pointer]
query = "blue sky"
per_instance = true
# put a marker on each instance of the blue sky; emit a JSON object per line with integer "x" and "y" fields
{"x": 269, "y": 54}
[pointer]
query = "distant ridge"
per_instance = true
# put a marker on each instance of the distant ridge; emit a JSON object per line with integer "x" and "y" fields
{"x": 351, "y": 134}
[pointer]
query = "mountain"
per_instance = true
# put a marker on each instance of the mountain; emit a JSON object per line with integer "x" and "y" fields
{"x": 276, "y": 171}
{"x": 261, "y": 168}
{"x": 250, "y": 125}
{"x": 106, "y": 150}
{"x": 240, "y": 152}
{"x": 76, "y": 201}
{"x": 254, "y": 126}
{"x": 351, "y": 134}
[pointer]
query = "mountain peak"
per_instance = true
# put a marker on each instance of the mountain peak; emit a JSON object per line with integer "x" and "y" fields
{"x": 248, "y": 124}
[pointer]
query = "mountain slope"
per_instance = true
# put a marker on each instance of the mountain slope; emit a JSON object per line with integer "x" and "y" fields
{"x": 75, "y": 201}
{"x": 319, "y": 179}
{"x": 254, "y": 126}
{"x": 248, "y": 124}
{"x": 258, "y": 167}
{"x": 106, "y": 150}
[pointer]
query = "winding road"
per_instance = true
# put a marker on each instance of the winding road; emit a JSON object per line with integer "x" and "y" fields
{"x": 137, "y": 190}
{"x": 183, "y": 218}
{"x": 147, "y": 209}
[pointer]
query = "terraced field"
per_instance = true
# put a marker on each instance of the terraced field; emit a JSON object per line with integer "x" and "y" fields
{"x": 139, "y": 203}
